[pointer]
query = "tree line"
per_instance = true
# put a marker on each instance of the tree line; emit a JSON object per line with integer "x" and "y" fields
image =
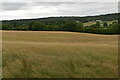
{"x": 65, "y": 24}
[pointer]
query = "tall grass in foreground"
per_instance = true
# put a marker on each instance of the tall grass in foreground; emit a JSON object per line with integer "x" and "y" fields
{"x": 59, "y": 55}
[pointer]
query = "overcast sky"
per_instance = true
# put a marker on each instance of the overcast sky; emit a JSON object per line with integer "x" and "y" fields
{"x": 26, "y": 9}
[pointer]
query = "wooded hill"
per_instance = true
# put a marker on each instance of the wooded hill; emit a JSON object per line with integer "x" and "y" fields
{"x": 71, "y": 23}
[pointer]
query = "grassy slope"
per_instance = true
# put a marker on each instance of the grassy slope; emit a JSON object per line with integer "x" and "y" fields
{"x": 94, "y": 22}
{"x": 59, "y": 54}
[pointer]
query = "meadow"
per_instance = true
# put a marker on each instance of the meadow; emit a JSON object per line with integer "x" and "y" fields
{"x": 55, "y": 54}
{"x": 101, "y": 22}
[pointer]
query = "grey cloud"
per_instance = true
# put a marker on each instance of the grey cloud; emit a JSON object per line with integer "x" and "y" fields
{"x": 62, "y": 0}
{"x": 8, "y": 6}
{"x": 45, "y": 9}
{"x": 77, "y": 8}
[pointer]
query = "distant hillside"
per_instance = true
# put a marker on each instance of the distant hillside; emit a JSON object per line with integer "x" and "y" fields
{"x": 105, "y": 17}
{"x": 102, "y": 24}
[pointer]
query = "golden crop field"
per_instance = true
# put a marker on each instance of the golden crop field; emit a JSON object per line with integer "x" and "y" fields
{"x": 47, "y": 54}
